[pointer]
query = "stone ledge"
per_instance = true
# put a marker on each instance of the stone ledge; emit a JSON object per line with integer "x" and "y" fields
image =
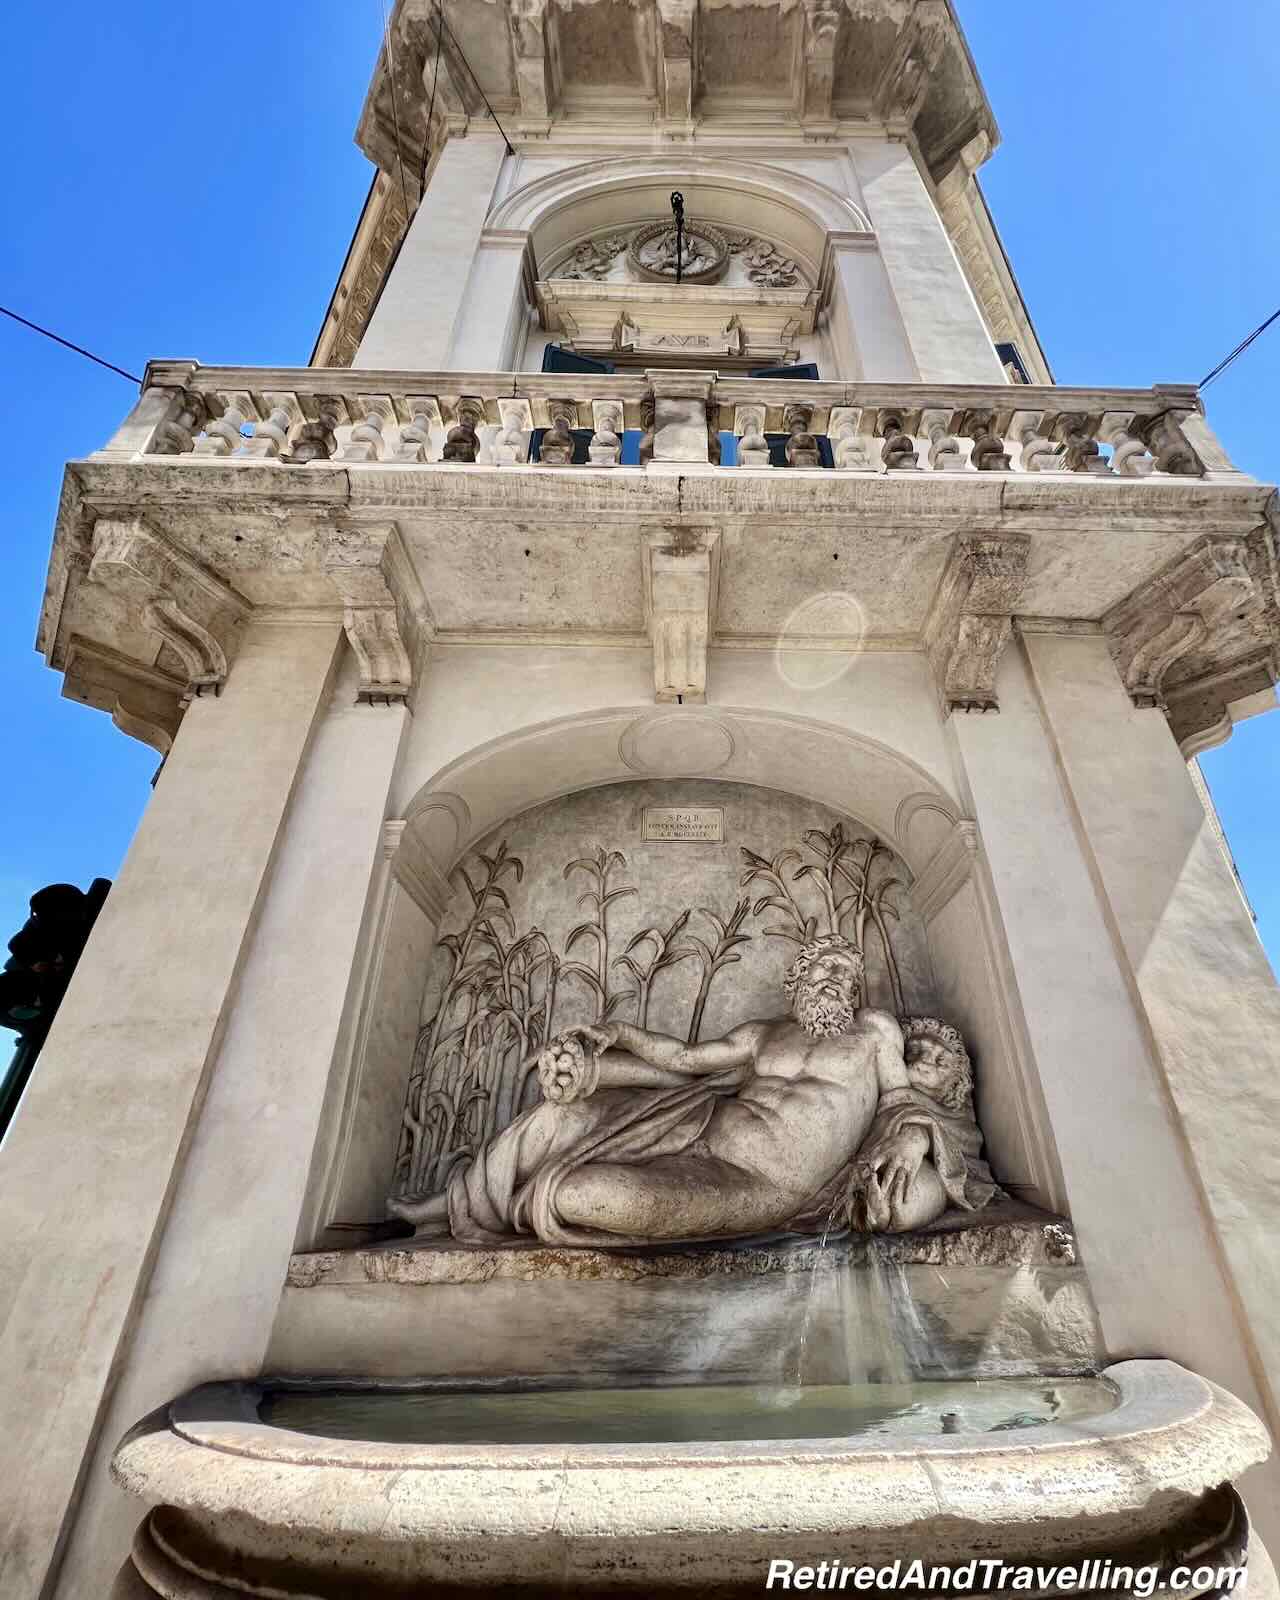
{"x": 1011, "y": 1234}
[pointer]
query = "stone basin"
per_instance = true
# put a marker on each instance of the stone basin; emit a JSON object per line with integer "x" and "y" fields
{"x": 245, "y": 1506}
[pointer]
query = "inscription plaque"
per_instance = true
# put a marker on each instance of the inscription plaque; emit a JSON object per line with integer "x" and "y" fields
{"x": 704, "y": 824}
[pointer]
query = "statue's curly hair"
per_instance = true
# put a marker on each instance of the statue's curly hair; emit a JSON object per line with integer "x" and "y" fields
{"x": 959, "y": 1087}
{"x": 798, "y": 971}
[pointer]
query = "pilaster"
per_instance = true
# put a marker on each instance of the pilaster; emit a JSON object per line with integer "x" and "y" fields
{"x": 427, "y": 291}
{"x": 223, "y": 1248}
{"x": 1069, "y": 798}
{"x": 1192, "y": 955}
{"x": 91, "y": 1165}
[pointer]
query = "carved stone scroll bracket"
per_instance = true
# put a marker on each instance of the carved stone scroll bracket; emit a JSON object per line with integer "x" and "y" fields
{"x": 680, "y": 587}
{"x": 196, "y": 615}
{"x": 141, "y": 701}
{"x": 528, "y": 22}
{"x": 1209, "y": 590}
{"x": 383, "y": 610}
{"x": 821, "y": 30}
{"x": 971, "y": 618}
{"x": 677, "y": 33}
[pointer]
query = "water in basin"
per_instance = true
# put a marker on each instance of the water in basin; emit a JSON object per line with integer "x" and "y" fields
{"x": 694, "y": 1412}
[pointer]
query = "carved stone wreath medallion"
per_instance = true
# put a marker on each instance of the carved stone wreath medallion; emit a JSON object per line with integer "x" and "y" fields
{"x": 703, "y": 259}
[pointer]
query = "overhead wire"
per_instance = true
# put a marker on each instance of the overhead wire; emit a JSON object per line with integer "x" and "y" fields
{"x": 1239, "y": 349}
{"x": 68, "y": 345}
{"x": 471, "y": 74}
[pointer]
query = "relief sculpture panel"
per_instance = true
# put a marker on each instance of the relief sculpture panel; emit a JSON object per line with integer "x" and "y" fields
{"x": 671, "y": 1011}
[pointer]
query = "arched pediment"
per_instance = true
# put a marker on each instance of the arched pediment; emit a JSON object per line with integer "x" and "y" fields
{"x": 796, "y": 212}
{"x": 853, "y": 774}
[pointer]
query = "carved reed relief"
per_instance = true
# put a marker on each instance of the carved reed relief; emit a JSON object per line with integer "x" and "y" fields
{"x": 506, "y": 991}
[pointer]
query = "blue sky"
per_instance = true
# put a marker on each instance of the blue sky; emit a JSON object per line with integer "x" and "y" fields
{"x": 187, "y": 187}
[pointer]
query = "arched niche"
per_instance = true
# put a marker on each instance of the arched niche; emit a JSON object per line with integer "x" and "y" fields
{"x": 797, "y": 212}
{"x": 959, "y": 965}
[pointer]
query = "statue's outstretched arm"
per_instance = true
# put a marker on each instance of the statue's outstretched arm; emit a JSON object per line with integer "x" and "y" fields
{"x": 737, "y": 1049}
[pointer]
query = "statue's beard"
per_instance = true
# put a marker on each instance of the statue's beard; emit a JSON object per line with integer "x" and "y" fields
{"x": 821, "y": 1016}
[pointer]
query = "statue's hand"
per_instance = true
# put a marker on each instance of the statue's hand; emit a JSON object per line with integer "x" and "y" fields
{"x": 889, "y": 1167}
{"x": 601, "y": 1036}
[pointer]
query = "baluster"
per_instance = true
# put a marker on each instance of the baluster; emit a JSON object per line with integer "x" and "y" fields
{"x": 1038, "y": 453}
{"x": 606, "y": 441}
{"x": 461, "y": 444}
{"x": 316, "y": 439}
{"x": 1074, "y": 430}
{"x": 898, "y": 451}
{"x": 801, "y": 448}
{"x": 222, "y": 436}
{"x": 271, "y": 437}
{"x": 366, "y": 442}
{"x": 944, "y": 448}
{"x": 1128, "y": 454}
{"x": 177, "y": 437}
{"x": 753, "y": 447}
{"x": 988, "y": 447}
{"x": 511, "y": 447}
{"x": 846, "y": 432}
{"x": 556, "y": 449}
{"x": 1169, "y": 445}
{"x": 415, "y": 435}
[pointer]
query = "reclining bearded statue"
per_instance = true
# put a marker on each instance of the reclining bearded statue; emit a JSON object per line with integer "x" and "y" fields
{"x": 835, "y": 1111}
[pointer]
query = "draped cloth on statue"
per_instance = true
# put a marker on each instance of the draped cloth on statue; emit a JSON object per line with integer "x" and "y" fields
{"x": 955, "y": 1149}
{"x": 511, "y": 1185}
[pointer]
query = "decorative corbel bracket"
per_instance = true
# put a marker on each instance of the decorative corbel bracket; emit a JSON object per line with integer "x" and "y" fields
{"x": 677, "y": 22}
{"x": 681, "y": 572}
{"x": 197, "y": 616}
{"x": 1200, "y": 641}
{"x": 528, "y": 21}
{"x": 821, "y": 30}
{"x": 144, "y": 703}
{"x": 383, "y": 610}
{"x": 972, "y": 618}
{"x": 1172, "y": 614}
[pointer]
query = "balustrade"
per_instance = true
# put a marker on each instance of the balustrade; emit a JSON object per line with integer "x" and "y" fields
{"x": 292, "y": 418}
